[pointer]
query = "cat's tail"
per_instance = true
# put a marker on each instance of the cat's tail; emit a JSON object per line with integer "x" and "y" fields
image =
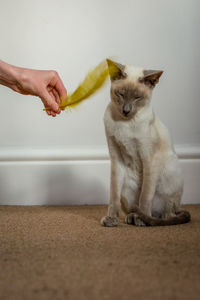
{"x": 182, "y": 216}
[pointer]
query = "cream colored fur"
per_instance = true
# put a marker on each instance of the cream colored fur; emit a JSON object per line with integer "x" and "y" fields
{"x": 144, "y": 166}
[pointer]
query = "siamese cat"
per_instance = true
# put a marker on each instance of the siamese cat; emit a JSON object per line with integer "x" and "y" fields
{"x": 146, "y": 180}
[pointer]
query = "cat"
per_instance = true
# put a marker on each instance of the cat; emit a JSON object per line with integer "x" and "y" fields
{"x": 146, "y": 180}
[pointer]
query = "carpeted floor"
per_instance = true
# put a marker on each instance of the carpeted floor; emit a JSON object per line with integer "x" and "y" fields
{"x": 64, "y": 253}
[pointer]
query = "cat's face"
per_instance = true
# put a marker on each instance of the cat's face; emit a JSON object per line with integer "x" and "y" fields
{"x": 129, "y": 98}
{"x": 131, "y": 88}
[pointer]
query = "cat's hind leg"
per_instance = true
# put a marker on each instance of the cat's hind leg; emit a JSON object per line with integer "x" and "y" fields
{"x": 172, "y": 214}
{"x": 134, "y": 219}
{"x": 163, "y": 208}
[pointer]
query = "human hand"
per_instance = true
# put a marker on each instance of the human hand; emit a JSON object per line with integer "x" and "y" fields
{"x": 45, "y": 84}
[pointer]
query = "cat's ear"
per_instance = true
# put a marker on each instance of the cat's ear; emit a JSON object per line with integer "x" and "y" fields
{"x": 116, "y": 70}
{"x": 151, "y": 77}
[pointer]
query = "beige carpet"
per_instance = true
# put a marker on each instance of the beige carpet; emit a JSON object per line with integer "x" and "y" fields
{"x": 64, "y": 253}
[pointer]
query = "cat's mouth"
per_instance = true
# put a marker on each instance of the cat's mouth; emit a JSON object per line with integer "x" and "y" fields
{"x": 126, "y": 115}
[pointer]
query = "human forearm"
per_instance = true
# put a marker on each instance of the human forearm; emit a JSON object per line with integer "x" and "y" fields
{"x": 9, "y": 75}
{"x": 45, "y": 84}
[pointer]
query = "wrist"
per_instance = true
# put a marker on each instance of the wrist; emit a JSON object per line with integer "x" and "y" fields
{"x": 9, "y": 75}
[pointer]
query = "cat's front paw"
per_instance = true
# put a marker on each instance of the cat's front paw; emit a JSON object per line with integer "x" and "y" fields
{"x": 129, "y": 219}
{"x": 109, "y": 221}
{"x": 133, "y": 219}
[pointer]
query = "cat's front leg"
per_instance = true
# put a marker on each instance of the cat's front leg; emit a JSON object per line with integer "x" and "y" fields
{"x": 148, "y": 191}
{"x": 149, "y": 182}
{"x": 112, "y": 217}
{"x": 116, "y": 180}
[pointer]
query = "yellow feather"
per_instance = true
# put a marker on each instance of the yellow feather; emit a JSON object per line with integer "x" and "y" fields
{"x": 92, "y": 82}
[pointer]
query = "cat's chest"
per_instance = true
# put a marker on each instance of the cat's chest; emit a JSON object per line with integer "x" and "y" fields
{"x": 127, "y": 137}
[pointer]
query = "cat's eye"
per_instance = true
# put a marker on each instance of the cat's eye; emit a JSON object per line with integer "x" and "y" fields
{"x": 137, "y": 97}
{"x": 119, "y": 93}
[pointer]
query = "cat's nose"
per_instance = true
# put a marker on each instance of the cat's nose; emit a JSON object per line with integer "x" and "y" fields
{"x": 126, "y": 111}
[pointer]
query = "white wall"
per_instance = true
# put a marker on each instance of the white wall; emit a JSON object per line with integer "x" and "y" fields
{"x": 71, "y": 37}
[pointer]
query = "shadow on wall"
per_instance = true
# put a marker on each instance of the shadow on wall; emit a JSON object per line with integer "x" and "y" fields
{"x": 33, "y": 184}
{"x": 66, "y": 187}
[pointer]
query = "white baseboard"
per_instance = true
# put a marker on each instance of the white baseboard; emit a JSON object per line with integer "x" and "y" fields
{"x": 74, "y": 177}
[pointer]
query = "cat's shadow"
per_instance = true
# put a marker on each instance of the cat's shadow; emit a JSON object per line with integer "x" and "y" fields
{"x": 64, "y": 187}
{"x": 51, "y": 185}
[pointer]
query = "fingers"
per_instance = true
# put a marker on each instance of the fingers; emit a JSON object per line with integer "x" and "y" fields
{"x": 56, "y": 96}
{"x": 52, "y": 92}
{"x": 53, "y": 114}
{"x": 60, "y": 88}
{"x": 49, "y": 111}
{"x": 50, "y": 100}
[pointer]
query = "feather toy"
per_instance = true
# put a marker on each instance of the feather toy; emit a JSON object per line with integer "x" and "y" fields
{"x": 93, "y": 81}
